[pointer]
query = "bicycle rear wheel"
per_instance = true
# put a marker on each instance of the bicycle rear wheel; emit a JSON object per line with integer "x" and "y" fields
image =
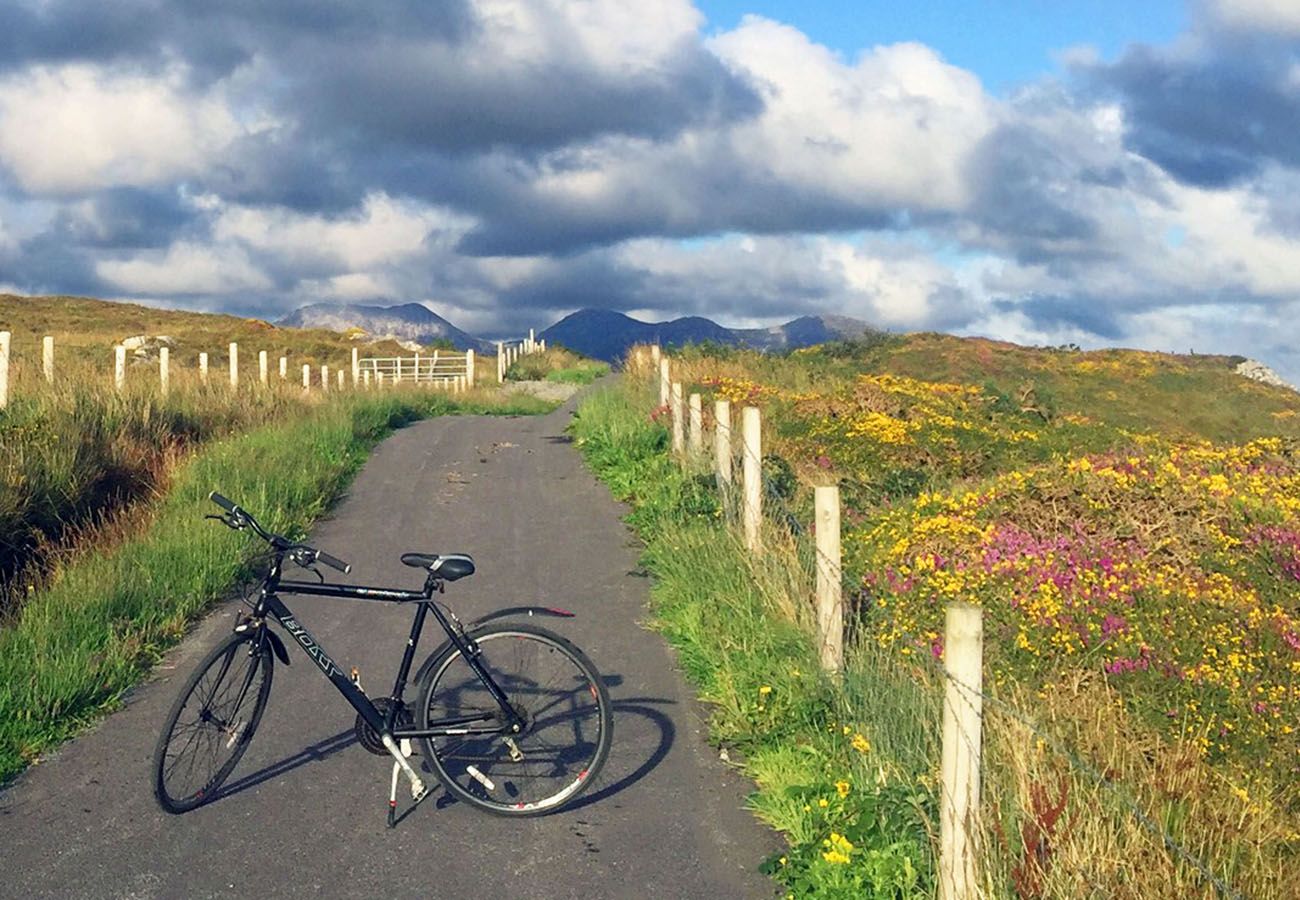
{"x": 562, "y": 700}
{"x": 211, "y": 723}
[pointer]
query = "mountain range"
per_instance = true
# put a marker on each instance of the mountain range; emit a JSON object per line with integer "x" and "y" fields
{"x": 598, "y": 333}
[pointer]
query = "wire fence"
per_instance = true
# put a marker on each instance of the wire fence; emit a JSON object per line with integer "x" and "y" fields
{"x": 779, "y": 514}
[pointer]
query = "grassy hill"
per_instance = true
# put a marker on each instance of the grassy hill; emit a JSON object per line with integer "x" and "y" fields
{"x": 1129, "y": 523}
{"x": 91, "y": 327}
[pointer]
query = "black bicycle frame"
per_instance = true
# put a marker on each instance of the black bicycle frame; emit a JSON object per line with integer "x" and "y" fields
{"x": 270, "y": 605}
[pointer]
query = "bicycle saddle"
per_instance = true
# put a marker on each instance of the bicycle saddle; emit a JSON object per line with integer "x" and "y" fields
{"x": 448, "y": 566}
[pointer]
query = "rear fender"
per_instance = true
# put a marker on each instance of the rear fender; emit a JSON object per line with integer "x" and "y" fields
{"x": 527, "y": 611}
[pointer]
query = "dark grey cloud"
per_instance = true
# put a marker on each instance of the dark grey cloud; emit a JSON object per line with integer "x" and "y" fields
{"x": 128, "y": 218}
{"x": 1055, "y": 313}
{"x": 1212, "y": 118}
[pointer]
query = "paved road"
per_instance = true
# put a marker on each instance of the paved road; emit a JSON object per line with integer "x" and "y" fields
{"x": 303, "y": 815}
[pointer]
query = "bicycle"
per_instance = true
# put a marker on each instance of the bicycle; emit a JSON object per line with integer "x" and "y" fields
{"x": 500, "y": 734}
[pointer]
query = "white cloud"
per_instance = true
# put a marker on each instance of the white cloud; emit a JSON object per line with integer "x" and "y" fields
{"x": 381, "y": 231}
{"x": 79, "y": 127}
{"x": 895, "y": 126}
{"x": 185, "y": 268}
{"x": 1269, "y": 16}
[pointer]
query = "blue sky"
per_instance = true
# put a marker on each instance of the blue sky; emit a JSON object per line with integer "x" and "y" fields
{"x": 918, "y": 166}
{"x": 1004, "y": 42}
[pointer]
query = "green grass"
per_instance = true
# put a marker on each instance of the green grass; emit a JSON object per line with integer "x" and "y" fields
{"x": 106, "y": 618}
{"x": 556, "y": 364}
{"x": 742, "y": 638}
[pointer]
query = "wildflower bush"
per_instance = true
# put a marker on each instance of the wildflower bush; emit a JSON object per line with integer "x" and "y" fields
{"x": 1130, "y": 523}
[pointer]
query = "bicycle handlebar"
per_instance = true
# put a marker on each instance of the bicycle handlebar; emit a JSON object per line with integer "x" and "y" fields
{"x": 239, "y": 518}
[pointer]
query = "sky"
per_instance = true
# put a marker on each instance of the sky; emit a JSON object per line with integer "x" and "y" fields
{"x": 1044, "y": 171}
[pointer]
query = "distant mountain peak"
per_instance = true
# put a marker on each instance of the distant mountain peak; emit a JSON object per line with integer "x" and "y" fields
{"x": 404, "y": 321}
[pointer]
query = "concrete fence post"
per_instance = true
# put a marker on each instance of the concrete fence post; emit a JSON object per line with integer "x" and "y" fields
{"x": 356, "y": 367}
{"x": 365, "y": 379}
{"x": 751, "y": 434}
{"x": 959, "y": 796}
{"x": 47, "y": 358}
{"x": 665, "y": 381}
{"x": 234, "y": 365}
{"x": 284, "y": 368}
{"x": 119, "y": 367}
{"x": 501, "y": 363}
{"x": 164, "y": 369}
{"x": 203, "y": 368}
{"x": 325, "y": 378}
{"x": 263, "y": 373}
{"x": 532, "y": 341}
{"x": 306, "y": 377}
{"x": 379, "y": 380}
{"x": 6, "y": 342}
{"x": 830, "y": 585}
{"x": 722, "y": 445}
{"x": 654, "y": 355}
{"x": 541, "y": 346}
{"x": 340, "y": 378}
{"x": 469, "y": 368}
{"x": 679, "y": 443}
{"x": 695, "y": 434}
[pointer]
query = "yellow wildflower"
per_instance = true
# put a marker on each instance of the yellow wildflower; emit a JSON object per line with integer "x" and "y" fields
{"x": 861, "y": 744}
{"x": 842, "y": 788}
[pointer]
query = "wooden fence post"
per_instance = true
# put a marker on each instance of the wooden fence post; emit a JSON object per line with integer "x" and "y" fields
{"x": 234, "y": 365}
{"x": 306, "y": 377}
{"x": 679, "y": 443}
{"x": 356, "y": 367}
{"x": 203, "y": 368}
{"x": 963, "y": 653}
{"x": 119, "y": 367}
{"x": 751, "y": 428}
{"x": 325, "y": 378}
{"x": 830, "y": 586}
{"x": 695, "y": 440}
{"x": 284, "y": 368}
{"x": 6, "y": 341}
{"x": 665, "y": 383}
{"x": 263, "y": 373}
{"x": 47, "y": 358}
{"x": 164, "y": 369}
{"x": 722, "y": 445}
{"x": 469, "y": 368}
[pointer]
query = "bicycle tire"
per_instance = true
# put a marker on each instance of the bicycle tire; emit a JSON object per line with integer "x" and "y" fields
{"x": 480, "y": 769}
{"x": 205, "y": 732}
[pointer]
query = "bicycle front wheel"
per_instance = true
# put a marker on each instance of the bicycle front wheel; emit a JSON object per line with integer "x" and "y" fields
{"x": 211, "y": 723}
{"x": 553, "y": 687}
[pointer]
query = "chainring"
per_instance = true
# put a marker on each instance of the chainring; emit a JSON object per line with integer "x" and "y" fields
{"x": 369, "y": 738}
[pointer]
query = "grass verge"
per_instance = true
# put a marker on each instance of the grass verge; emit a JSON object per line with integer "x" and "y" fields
{"x": 104, "y": 620}
{"x": 853, "y": 799}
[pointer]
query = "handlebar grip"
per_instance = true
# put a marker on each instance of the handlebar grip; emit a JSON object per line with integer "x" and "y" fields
{"x": 333, "y": 563}
{"x": 221, "y": 501}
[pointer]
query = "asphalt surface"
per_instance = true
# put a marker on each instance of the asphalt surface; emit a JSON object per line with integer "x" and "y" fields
{"x": 303, "y": 814}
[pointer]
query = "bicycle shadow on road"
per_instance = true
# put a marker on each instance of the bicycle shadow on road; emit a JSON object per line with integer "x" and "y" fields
{"x": 643, "y": 707}
{"x": 322, "y": 749}
{"x": 621, "y": 750}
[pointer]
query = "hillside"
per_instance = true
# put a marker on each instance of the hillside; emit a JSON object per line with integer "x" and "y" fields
{"x": 408, "y": 321}
{"x": 606, "y": 334}
{"x": 94, "y": 326}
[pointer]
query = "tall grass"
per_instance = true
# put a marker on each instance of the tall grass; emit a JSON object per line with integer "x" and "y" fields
{"x": 1081, "y": 798}
{"x": 105, "y": 618}
{"x": 840, "y": 767}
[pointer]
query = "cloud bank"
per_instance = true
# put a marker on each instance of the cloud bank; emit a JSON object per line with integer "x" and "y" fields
{"x": 511, "y": 161}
